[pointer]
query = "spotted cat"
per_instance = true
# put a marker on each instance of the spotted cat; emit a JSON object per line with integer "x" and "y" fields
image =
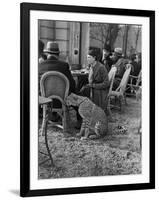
{"x": 95, "y": 122}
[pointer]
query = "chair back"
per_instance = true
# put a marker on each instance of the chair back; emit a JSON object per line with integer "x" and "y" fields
{"x": 111, "y": 76}
{"x": 54, "y": 84}
{"x": 125, "y": 78}
{"x": 111, "y": 73}
{"x": 139, "y": 78}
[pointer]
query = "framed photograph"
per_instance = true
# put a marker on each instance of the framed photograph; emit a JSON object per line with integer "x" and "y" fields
{"x": 87, "y": 99}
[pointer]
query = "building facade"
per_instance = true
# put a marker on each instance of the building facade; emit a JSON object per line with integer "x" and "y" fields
{"x": 75, "y": 38}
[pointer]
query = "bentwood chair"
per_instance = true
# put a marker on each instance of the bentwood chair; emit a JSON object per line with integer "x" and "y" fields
{"x": 119, "y": 93}
{"x": 55, "y": 85}
{"x": 134, "y": 83}
{"x": 111, "y": 76}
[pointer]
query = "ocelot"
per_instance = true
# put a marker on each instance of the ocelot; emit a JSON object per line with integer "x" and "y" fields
{"x": 94, "y": 124}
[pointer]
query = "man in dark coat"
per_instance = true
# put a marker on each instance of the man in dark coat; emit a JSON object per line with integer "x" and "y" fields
{"x": 52, "y": 63}
{"x": 106, "y": 58}
{"x": 120, "y": 63}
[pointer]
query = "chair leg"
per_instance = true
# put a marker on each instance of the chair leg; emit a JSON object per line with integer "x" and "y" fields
{"x": 140, "y": 134}
{"x": 120, "y": 104}
{"x": 125, "y": 100}
{"x": 47, "y": 146}
{"x": 68, "y": 118}
{"x": 65, "y": 120}
{"x": 108, "y": 110}
{"x": 44, "y": 120}
{"x": 121, "y": 98}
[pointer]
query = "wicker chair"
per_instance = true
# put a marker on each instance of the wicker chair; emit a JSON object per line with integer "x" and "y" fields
{"x": 55, "y": 85}
{"x": 111, "y": 76}
{"x": 119, "y": 93}
{"x": 134, "y": 83}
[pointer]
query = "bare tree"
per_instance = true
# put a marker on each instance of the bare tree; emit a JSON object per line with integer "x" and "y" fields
{"x": 113, "y": 30}
{"x": 104, "y": 33}
{"x": 138, "y": 32}
{"x": 125, "y": 39}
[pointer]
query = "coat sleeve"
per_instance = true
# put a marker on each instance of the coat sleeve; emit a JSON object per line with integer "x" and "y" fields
{"x": 105, "y": 83}
{"x": 120, "y": 65}
{"x": 71, "y": 80}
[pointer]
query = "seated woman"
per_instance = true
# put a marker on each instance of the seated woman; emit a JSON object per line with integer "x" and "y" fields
{"x": 98, "y": 82}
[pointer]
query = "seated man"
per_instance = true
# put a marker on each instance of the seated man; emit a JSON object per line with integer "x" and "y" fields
{"x": 52, "y": 63}
{"x": 106, "y": 59}
{"x": 119, "y": 63}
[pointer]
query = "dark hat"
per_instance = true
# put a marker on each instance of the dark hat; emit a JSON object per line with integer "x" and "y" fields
{"x": 93, "y": 52}
{"x": 107, "y": 47}
{"x": 52, "y": 47}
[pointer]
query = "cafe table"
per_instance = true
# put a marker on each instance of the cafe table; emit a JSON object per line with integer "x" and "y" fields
{"x": 80, "y": 77}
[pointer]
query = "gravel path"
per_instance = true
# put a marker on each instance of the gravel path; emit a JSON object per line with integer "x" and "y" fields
{"x": 115, "y": 154}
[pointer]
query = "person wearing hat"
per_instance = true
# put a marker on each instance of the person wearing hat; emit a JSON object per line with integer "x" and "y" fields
{"x": 120, "y": 63}
{"x": 52, "y": 63}
{"x": 116, "y": 54}
{"x": 97, "y": 89}
{"x": 106, "y": 58}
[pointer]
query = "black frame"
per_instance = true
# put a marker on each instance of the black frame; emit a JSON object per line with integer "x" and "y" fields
{"x": 25, "y": 9}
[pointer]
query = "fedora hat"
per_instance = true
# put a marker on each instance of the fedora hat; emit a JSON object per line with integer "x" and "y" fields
{"x": 118, "y": 51}
{"x": 52, "y": 47}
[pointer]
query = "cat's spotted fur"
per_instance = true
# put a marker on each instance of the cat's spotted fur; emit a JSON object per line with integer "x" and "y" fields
{"x": 95, "y": 122}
